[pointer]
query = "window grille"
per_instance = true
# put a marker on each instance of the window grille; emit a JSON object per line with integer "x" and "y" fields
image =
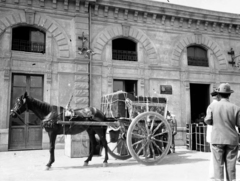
{"x": 124, "y": 49}
{"x": 197, "y": 56}
{"x": 124, "y": 55}
{"x": 28, "y": 39}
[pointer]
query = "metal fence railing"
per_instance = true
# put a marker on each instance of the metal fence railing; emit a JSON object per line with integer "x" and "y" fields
{"x": 28, "y": 46}
{"x": 124, "y": 55}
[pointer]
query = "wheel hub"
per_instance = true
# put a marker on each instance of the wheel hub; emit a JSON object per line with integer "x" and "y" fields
{"x": 149, "y": 137}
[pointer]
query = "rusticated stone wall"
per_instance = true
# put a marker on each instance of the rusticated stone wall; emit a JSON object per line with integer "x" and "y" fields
{"x": 162, "y": 32}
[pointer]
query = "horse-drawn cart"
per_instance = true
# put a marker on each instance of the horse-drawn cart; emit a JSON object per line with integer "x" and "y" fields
{"x": 127, "y": 126}
{"x": 137, "y": 127}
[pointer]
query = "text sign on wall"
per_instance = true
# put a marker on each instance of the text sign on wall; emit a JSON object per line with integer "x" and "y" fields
{"x": 165, "y": 89}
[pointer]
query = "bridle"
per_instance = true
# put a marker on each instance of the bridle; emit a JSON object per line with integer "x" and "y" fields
{"x": 18, "y": 115}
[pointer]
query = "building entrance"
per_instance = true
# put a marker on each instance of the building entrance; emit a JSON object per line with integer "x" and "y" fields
{"x": 199, "y": 95}
{"x": 27, "y": 135}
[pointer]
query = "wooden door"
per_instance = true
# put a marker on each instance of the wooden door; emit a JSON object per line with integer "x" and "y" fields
{"x": 27, "y": 135}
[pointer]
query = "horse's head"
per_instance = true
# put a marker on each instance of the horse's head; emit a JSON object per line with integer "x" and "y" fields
{"x": 20, "y": 105}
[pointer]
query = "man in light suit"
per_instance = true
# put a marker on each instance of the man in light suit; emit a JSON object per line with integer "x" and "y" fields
{"x": 215, "y": 99}
{"x": 224, "y": 117}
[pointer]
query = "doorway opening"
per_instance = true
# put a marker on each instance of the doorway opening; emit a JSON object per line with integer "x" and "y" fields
{"x": 129, "y": 86}
{"x": 28, "y": 134}
{"x": 199, "y": 95}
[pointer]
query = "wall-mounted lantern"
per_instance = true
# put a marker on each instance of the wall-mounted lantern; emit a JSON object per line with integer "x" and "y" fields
{"x": 233, "y": 57}
{"x": 84, "y": 50}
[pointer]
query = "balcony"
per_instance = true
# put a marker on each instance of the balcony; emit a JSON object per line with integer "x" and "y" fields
{"x": 196, "y": 61}
{"x": 124, "y": 55}
{"x": 28, "y": 46}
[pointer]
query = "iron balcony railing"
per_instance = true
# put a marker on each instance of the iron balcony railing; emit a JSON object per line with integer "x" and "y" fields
{"x": 196, "y": 61}
{"x": 124, "y": 55}
{"x": 28, "y": 46}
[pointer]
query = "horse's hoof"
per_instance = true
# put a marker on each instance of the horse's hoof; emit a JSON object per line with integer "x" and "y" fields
{"x": 47, "y": 168}
{"x": 85, "y": 164}
{"x": 105, "y": 164}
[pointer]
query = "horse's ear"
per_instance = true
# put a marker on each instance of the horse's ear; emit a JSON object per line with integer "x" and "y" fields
{"x": 25, "y": 94}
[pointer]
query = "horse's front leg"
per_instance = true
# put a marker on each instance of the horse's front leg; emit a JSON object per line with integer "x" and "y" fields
{"x": 92, "y": 141}
{"x": 52, "y": 139}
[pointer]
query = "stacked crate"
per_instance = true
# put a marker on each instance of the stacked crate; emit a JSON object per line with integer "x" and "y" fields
{"x": 113, "y": 105}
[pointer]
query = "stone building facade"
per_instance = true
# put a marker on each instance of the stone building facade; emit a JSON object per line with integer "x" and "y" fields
{"x": 162, "y": 34}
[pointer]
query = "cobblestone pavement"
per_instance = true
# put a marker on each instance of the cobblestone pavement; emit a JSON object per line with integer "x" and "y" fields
{"x": 184, "y": 165}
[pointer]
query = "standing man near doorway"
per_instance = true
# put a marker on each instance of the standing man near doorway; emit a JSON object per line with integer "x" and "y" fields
{"x": 215, "y": 99}
{"x": 224, "y": 117}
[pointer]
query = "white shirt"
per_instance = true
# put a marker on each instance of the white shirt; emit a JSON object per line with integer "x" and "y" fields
{"x": 209, "y": 128}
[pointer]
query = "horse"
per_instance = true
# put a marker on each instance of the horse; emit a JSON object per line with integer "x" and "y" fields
{"x": 50, "y": 114}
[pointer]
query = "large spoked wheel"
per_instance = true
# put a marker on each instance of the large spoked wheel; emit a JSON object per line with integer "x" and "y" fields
{"x": 117, "y": 144}
{"x": 149, "y": 138}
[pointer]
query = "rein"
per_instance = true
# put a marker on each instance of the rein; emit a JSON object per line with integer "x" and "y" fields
{"x": 19, "y": 117}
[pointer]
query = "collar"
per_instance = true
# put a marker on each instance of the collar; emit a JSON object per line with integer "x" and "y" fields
{"x": 224, "y": 99}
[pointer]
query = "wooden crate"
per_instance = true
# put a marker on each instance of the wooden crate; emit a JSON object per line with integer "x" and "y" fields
{"x": 113, "y": 105}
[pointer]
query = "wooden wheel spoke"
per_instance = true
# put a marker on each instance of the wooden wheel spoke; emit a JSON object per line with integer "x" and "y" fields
{"x": 121, "y": 148}
{"x": 159, "y": 134}
{"x": 136, "y": 143}
{"x": 151, "y": 147}
{"x": 157, "y": 127}
{"x": 141, "y": 149}
{"x": 161, "y": 141}
{"x": 126, "y": 148}
{"x": 158, "y": 147}
{"x": 116, "y": 146}
{"x": 147, "y": 148}
{"x": 146, "y": 126}
{"x": 153, "y": 120}
{"x": 138, "y": 135}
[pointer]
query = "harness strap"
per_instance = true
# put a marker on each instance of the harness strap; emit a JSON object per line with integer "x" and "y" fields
{"x": 63, "y": 117}
{"x": 19, "y": 117}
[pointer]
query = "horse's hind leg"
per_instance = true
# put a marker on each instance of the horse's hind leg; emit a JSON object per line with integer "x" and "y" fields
{"x": 102, "y": 135}
{"x": 91, "y": 136}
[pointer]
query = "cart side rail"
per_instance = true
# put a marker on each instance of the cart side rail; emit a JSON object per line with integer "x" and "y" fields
{"x": 135, "y": 107}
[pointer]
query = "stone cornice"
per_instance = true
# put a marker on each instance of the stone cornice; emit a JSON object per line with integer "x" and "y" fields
{"x": 140, "y": 11}
{"x": 166, "y": 14}
{"x": 168, "y": 9}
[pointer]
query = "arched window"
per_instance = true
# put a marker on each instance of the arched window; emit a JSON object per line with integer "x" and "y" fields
{"x": 197, "y": 56}
{"x": 124, "y": 49}
{"x": 28, "y": 39}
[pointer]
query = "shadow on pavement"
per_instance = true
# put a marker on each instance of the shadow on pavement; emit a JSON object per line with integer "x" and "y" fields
{"x": 99, "y": 165}
{"x": 183, "y": 157}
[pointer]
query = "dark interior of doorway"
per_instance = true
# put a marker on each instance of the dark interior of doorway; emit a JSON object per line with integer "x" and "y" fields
{"x": 199, "y": 95}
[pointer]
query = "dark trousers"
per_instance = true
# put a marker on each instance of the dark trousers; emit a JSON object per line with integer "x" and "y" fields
{"x": 224, "y": 155}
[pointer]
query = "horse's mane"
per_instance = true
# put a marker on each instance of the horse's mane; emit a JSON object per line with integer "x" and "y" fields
{"x": 42, "y": 105}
